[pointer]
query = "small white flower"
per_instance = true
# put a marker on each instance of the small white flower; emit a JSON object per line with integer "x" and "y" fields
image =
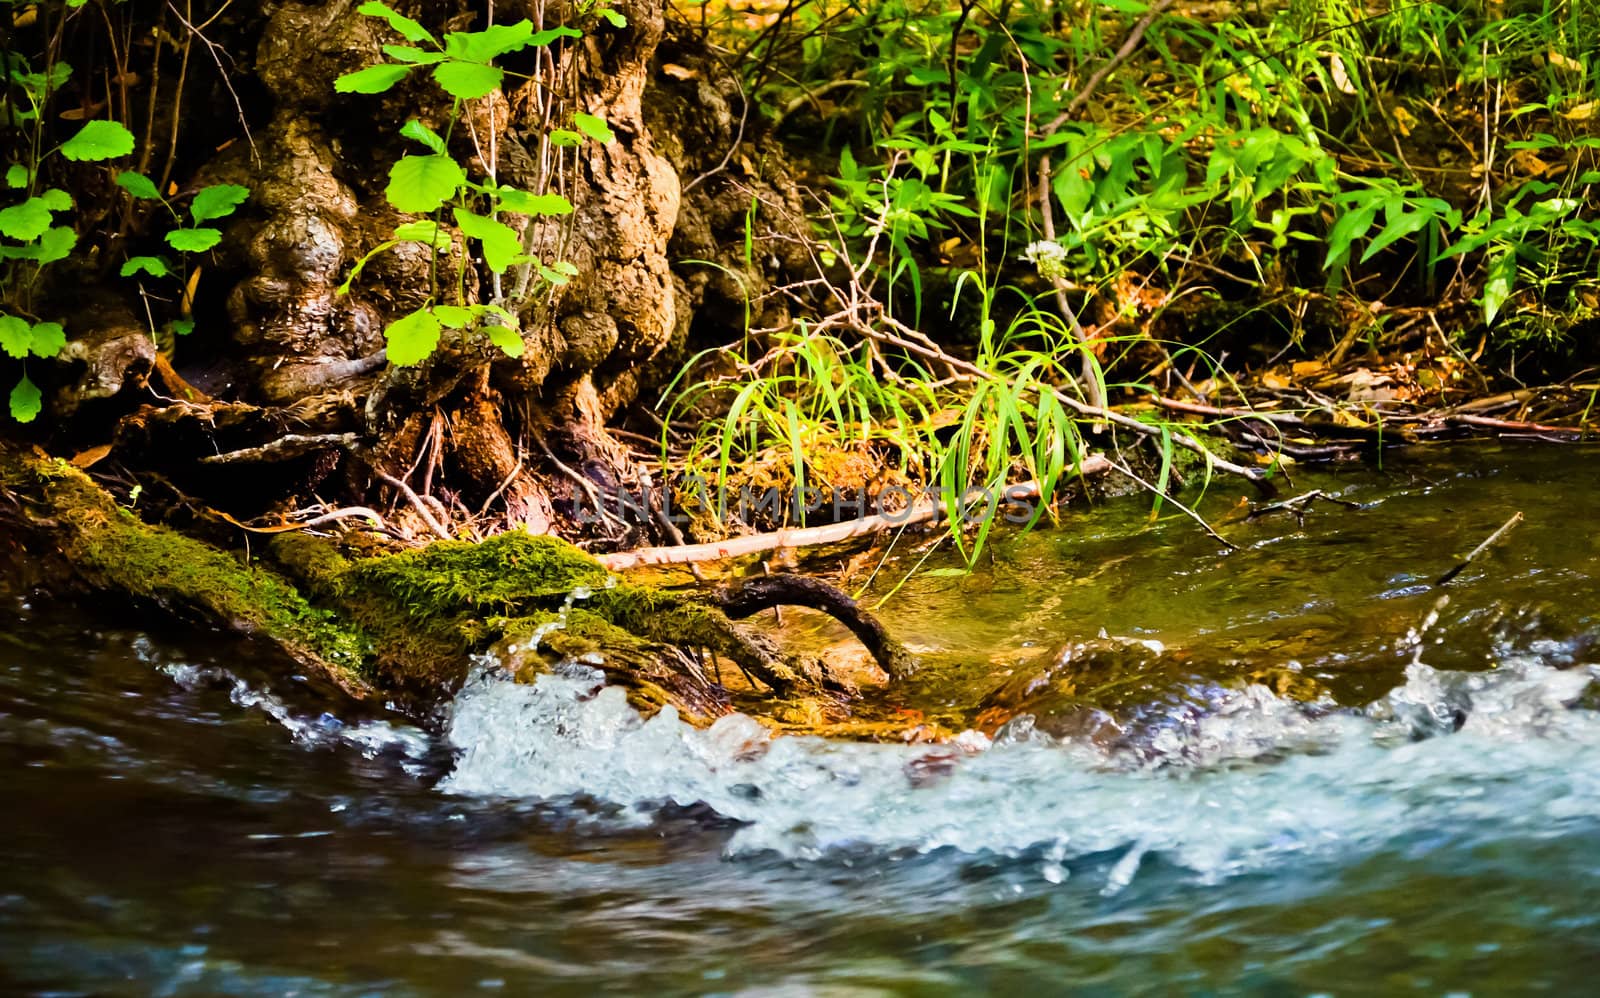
{"x": 1048, "y": 257}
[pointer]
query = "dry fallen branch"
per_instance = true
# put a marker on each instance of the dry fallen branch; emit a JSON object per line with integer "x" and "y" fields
{"x": 920, "y": 511}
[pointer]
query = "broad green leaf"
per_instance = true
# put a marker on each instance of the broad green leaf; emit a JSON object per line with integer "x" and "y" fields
{"x": 549, "y": 35}
{"x": 56, "y": 199}
{"x": 508, "y": 340}
{"x": 424, "y": 230}
{"x": 616, "y": 19}
{"x": 49, "y": 339}
{"x": 152, "y": 265}
{"x": 25, "y": 222}
{"x": 26, "y": 402}
{"x": 138, "y": 185}
{"x": 415, "y": 56}
{"x": 1398, "y": 227}
{"x": 565, "y": 138}
{"x": 193, "y": 240}
{"x": 15, "y": 336}
{"x": 372, "y": 80}
{"x": 412, "y": 338}
{"x": 468, "y": 80}
{"x": 417, "y": 131}
{"x": 17, "y": 176}
{"x": 218, "y": 201}
{"x": 98, "y": 140}
{"x": 1502, "y": 281}
{"x": 55, "y": 244}
{"x": 408, "y": 29}
{"x": 524, "y": 203}
{"x": 593, "y": 126}
{"x": 181, "y": 327}
{"x": 554, "y": 276}
{"x": 453, "y": 316}
{"x": 501, "y": 245}
{"x": 1352, "y": 225}
{"x": 495, "y": 40}
{"x": 423, "y": 183}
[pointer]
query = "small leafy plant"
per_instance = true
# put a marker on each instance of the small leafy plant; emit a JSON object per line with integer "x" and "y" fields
{"x": 429, "y": 183}
{"x": 210, "y": 204}
{"x": 36, "y": 232}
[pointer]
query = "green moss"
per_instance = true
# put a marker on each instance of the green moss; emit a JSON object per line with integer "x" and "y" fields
{"x": 113, "y": 549}
{"x": 503, "y": 575}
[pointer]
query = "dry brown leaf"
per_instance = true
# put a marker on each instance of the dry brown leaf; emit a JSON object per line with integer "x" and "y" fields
{"x": 1564, "y": 62}
{"x": 1583, "y": 112}
{"x": 1341, "y": 77}
{"x": 87, "y": 458}
{"x": 678, "y": 72}
{"x": 1404, "y": 121}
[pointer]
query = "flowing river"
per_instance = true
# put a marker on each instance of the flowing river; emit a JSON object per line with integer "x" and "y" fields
{"x": 1287, "y": 769}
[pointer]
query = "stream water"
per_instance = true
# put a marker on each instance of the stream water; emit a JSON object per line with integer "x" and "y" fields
{"x": 1287, "y": 769}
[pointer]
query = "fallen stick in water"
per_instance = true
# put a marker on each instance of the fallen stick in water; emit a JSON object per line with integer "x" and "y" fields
{"x": 920, "y": 511}
{"x": 1505, "y": 528}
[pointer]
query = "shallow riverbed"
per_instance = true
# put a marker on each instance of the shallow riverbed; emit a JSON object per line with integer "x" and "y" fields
{"x": 1284, "y": 769}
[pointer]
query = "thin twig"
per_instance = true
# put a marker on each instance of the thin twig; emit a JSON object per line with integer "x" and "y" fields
{"x": 417, "y": 503}
{"x": 1489, "y": 542}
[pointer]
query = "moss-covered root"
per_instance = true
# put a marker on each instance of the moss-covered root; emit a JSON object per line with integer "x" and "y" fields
{"x": 109, "y": 548}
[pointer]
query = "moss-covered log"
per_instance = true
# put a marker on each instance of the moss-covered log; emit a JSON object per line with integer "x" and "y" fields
{"x": 407, "y": 623}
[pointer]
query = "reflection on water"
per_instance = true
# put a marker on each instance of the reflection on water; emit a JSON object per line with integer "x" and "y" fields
{"x": 183, "y": 820}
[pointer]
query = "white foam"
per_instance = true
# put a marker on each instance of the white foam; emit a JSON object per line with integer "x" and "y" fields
{"x": 1257, "y": 782}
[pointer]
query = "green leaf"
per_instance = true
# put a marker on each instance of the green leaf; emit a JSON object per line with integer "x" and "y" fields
{"x": 27, "y": 221}
{"x": 423, "y": 183}
{"x": 152, "y": 265}
{"x": 554, "y": 276}
{"x": 453, "y": 316}
{"x": 15, "y": 336}
{"x": 412, "y": 338}
{"x": 138, "y": 185}
{"x": 26, "y": 402}
{"x": 218, "y": 201}
{"x": 193, "y": 240}
{"x": 409, "y": 29}
{"x": 616, "y": 19}
{"x": 1352, "y": 225}
{"x": 181, "y": 327}
{"x": 549, "y": 35}
{"x": 415, "y": 56}
{"x": 55, "y": 244}
{"x": 495, "y": 40}
{"x": 565, "y": 138}
{"x": 56, "y": 199}
{"x": 17, "y": 176}
{"x": 593, "y": 126}
{"x": 524, "y": 203}
{"x": 468, "y": 80}
{"x": 49, "y": 339}
{"x": 424, "y": 230}
{"x": 501, "y": 244}
{"x": 1400, "y": 225}
{"x": 1502, "y": 281}
{"x": 372, "y": 80}
{"x": 417, "y": 131}
{"x": 98, "y": 140}
{"x": 508, "y": 340}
